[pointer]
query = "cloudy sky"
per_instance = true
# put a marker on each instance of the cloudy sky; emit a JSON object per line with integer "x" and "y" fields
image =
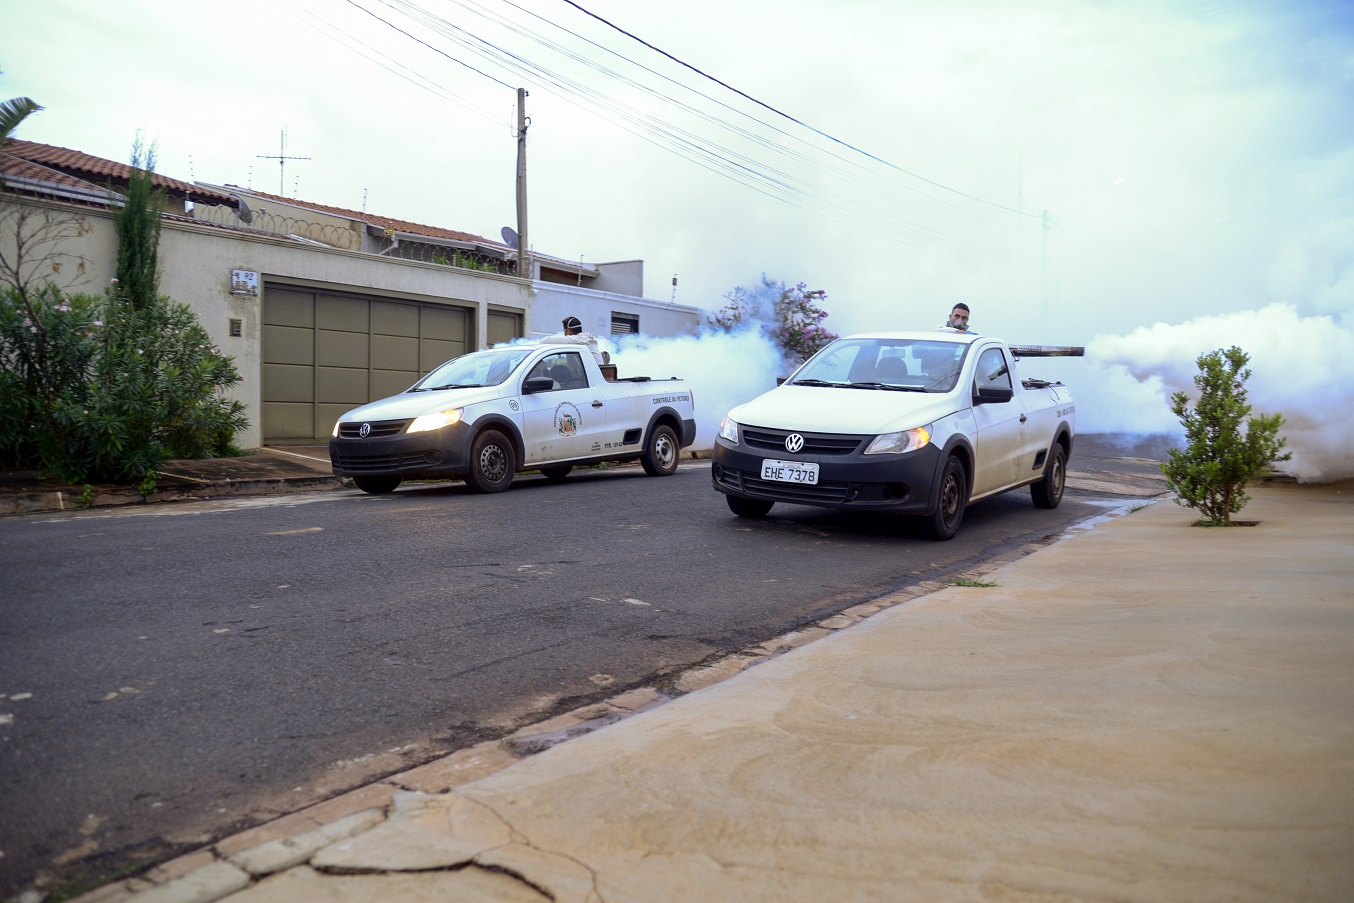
{"x": 1149, "y": 179}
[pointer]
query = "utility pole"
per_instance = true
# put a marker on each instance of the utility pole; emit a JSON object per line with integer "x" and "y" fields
{"x": 523, "y": 254}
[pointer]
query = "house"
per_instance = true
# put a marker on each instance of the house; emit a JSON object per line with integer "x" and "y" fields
{"x": 325, "y": 308}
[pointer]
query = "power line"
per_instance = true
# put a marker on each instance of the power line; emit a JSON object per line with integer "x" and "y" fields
{"x": 431, "y": 47}
{"x": 710, "y": 155}
{"x": 816, "y": 131}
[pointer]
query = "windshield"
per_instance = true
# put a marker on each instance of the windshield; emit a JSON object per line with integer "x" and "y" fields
{"x": 907, "y": 365}
{"x": 479, "y": 368}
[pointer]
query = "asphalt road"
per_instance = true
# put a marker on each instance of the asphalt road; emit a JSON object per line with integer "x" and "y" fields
{"x": 175, "y": 673}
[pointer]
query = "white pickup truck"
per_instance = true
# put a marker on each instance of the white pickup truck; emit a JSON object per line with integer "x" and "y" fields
{"x": 919, "y": 423}
{"x": 484, "y": 416}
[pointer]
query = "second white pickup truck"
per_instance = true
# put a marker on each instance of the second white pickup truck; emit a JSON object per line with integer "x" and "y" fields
{"x": 919, "y": 423}
{"x": 484, "y": 416}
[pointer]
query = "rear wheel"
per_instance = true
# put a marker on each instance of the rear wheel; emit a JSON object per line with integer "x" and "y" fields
{"x": 661, "y": 452}
{"x": 754, "y": 508}
{"x": 1048, "y": 492}
{"x": 949, "y": 514}
{"x": 377, "y": 485}
{"x": 556, "y": 473}
{"x": 492, "y": 462}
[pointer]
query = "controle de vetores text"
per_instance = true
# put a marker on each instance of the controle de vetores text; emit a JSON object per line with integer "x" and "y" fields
{"x": 487, "y": 415}
{"x": 918, "y": 423}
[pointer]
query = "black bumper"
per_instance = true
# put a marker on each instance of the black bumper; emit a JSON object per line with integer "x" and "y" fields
{"x": 900, "y": 483}
{"x": 434, "y": 455}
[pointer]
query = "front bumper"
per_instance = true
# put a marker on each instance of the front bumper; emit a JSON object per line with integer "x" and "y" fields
{"x": 849, "y": 479}
{"x": 434, "y": 455}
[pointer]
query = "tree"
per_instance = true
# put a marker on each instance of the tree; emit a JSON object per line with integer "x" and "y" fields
{"x": 13, "y": 112}
{"x": 792, "y": 318}
{"x": 1218, "y": 460}
{"x": 138, "y": 224}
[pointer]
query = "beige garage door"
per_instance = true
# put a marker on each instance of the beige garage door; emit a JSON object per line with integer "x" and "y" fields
{"x": 324, "y": 354}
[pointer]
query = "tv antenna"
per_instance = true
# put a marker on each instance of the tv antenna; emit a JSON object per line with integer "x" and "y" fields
{"x": 281, "y": 158}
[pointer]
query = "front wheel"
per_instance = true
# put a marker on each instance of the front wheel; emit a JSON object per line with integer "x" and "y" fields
{"x": 754, "y": 508}
{"x": 1048, "y": 492}
{"x": 492, "y": 462}
{"x": 950, "y": 500}
{"x": 377, "y": 485}
{"x": 661, "y": 452}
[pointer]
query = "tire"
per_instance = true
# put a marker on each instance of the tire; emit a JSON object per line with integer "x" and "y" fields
{"x": 753, "y": 508}
{"x": 377, "y": 485}
{"x": 556, "y": 473}
{"x": 1048, "y": 492}
{"x": 951, "y": 496}
{"x": 492, "y": 463}
{"x": 661, "y": 452}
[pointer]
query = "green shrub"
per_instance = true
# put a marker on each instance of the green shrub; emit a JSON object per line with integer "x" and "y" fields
{"x": 107, "y": 391}
{"x": 48, "y": 346}
{"x": 1212, "y": 471}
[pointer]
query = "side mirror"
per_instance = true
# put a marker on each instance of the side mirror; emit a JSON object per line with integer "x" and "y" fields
{"x": 537, "y": 384}
{"x": 993, "y": 394}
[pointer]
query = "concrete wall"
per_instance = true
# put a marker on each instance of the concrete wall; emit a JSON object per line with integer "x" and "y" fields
{"x": 197, "y": 269}
{"x": 551, "y": 303}
{"x": 620, "y": 277}
{"x": 196, "y": 261}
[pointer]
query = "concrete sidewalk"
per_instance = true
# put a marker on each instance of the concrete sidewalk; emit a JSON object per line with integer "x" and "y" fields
{"x": 1144, "y": 711}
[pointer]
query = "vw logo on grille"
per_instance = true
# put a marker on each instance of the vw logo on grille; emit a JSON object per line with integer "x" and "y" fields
{"x": 364, "y": 430}
{"x": 794, "y": 443}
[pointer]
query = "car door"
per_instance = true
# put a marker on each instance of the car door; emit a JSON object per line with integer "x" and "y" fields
{"x": 566, "y": 421}
{"x": 1000, "y": 426}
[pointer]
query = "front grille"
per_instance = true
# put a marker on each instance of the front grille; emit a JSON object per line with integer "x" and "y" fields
{"x": 378, "y": 463}
{"x": 814, "y": 443}
{"x": 833, "y": 493}
{"x": 380, "y": 429}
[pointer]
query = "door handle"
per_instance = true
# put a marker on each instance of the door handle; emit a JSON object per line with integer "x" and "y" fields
{"x": 1023, "y": 418}
{"x": 596, "y": 403}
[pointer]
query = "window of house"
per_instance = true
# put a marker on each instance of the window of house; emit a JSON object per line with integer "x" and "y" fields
{"x": 624, "y": 324}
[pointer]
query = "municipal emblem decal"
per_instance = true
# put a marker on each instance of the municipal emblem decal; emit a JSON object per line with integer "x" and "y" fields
{"x": 364, "y": 430}
{"x": 567, "y": 419}
{"x": 512, "y": 403}
{"x": 794, "y": 443}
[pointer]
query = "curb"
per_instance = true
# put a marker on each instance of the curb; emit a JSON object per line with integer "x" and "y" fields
{"x": 68, "y": 501}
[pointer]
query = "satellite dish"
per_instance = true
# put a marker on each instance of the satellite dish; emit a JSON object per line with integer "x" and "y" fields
{"x": 243, "y": 211}
{"x": 510, "y": 237}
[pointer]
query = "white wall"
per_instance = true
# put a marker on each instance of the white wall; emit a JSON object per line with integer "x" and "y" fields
{"x": 551, "y": 303}
{"x": 196, "y": 262}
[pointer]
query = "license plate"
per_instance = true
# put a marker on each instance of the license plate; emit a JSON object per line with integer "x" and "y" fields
{"x": 790, "y": 472}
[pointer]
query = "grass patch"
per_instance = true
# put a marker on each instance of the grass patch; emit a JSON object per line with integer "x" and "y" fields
{"x": 81, "y": 885}
{"x": 966, "y": 581}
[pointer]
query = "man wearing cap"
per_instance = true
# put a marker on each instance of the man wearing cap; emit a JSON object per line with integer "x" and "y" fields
{"x": 574, "y": 335}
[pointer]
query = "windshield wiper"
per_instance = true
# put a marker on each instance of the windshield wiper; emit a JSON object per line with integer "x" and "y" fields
{"x": 450, "y": 386}
{"x": 814, "y": 382}
{"x": 888, "y": 387}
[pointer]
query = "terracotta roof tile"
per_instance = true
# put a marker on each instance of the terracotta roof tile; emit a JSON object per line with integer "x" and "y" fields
{"x": 100, "y": 171}
{"x": 11, "y": 165}
{"x": 387, "y": 222}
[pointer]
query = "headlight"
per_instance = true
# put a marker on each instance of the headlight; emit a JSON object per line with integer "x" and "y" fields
{"x": 729, "y": 430}
{"x": 435, "y": 421}
{"x": 336, "y": 426}
{"x": 897, "y": 443}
